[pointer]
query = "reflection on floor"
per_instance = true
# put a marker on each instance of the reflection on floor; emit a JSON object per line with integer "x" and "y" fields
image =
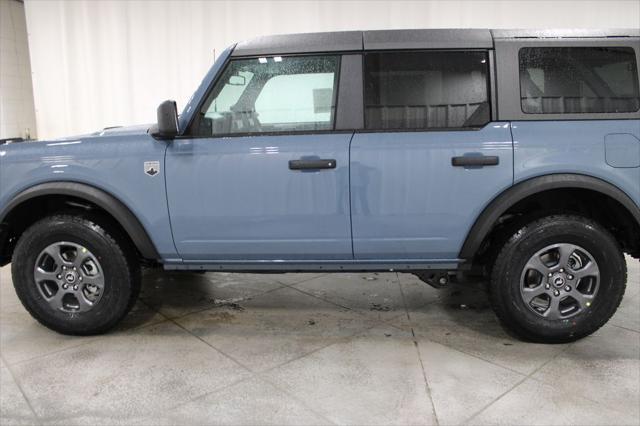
{"x": 314, "y": 349}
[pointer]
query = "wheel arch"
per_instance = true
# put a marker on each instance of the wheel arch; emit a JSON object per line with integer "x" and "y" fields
{"x": 108, "y": 203}
{"x": 522, "y": 191}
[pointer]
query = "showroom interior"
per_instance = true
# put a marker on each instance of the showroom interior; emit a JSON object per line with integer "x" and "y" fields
{"x": 245, "y": 348}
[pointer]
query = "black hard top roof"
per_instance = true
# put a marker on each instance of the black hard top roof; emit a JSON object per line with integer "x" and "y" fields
{"x": 444, "y": 38}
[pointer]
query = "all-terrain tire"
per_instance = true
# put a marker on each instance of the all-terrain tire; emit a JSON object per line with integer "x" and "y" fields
{"x": 114, "y": 253}
{"x": 505, "y": 284}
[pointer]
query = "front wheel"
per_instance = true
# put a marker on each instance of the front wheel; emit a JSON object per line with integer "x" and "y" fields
{"x": 558, "y": 279}
{"x": 74, "y": 276}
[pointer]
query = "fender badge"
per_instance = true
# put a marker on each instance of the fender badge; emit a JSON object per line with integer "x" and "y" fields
{"x": 152, "y": 168}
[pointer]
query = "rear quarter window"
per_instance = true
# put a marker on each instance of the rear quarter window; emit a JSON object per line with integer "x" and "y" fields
{"x": 559, "y": 80}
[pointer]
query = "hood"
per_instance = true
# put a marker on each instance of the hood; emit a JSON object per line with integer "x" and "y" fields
{"x": 122, "y": 130}
{"x": 137, "y": 129}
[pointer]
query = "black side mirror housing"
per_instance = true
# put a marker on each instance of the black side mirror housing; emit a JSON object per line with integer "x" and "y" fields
{"x": 167, "y": 126}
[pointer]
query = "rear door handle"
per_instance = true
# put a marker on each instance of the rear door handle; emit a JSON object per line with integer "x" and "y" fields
{"x": 314, "y": 164}
{"x": 475, "y": 161}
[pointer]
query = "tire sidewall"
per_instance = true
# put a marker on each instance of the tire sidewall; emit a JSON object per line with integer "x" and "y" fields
{"x": 532, "y": 239}
{"x": 116, "y": 291}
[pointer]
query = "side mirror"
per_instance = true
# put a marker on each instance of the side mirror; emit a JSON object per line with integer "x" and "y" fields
{"x": 167, "y": 126}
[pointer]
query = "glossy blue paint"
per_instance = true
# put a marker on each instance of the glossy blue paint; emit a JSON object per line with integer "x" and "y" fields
{"x": 622, "y": 150}
{"x": 111, "y": 160}
{"x": 409, "y": 202}
{"x": 236, "y": 198}
{"x": 394, "y": 201}
{"x": 546, "y": 147}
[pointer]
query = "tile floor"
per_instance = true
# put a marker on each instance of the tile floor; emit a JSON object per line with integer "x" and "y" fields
{"x": 314, "y": 349}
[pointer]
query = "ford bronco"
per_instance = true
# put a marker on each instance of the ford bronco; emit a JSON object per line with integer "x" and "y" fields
{"x": 511, "y": 156}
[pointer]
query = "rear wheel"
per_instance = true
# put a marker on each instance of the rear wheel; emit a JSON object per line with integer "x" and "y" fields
{"x": 558, "y": 279}
{"x": 74, "y": 276}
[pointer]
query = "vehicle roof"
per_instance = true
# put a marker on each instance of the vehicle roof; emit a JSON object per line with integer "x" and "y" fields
{"x": 444, "y": 38}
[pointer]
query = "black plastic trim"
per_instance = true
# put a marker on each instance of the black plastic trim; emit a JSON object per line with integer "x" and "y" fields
{"x": 300, "y": 43}
{"x": 485, "y": 222}
{"x": 350, "y": 107}
{"x": 109, "y": 203}
{"x": 433, "y": 38}
{"x": 312, "y": 164}
{"x": 475, "y": 160}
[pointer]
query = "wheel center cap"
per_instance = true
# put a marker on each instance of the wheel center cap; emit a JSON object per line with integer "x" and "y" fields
{"x": 70, "y": 277}
{"x": 557, "y": 281}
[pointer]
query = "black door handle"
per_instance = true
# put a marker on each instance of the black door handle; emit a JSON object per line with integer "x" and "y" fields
{"x": 475, "y": 161}
{"x": 314, "y": 164}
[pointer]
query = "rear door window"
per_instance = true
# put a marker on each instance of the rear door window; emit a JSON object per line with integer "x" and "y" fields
{"x": 557, "y": 80}
{"x": 426, "y": 90}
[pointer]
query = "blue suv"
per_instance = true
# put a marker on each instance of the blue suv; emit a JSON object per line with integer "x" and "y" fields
{"x": 505, "y": 155}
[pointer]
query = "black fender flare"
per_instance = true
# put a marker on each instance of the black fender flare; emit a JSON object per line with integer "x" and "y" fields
{"x": 100, "y": 198}
{"x": 486, "y": 220}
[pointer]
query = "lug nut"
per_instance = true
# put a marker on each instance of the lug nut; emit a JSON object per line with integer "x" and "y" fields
{"x": 556, "y": 293}
{"x": 74, "y": 268}
{"x": 567, "y": 288}
{"x": 547, "y": 286}
{"x": 59, "y": 276}
{"x": 550, "y": 274}
{"x": 561, "y": 269}
{"x": 80, "y": 278}
{"x": 65, "y": 286}
{"x": 64, "y": 268}
{"x": 570, "y": 277}
{"x": 75, "y": 287}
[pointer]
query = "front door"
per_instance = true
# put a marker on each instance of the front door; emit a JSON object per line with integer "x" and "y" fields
{"x": 263, "y": 176}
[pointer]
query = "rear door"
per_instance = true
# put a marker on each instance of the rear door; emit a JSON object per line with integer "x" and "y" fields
{"x": 430, "y": 158}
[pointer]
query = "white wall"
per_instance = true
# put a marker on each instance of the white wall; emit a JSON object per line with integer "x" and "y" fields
{"x": 17, "y": 117}
{"x": 104, "y": 63}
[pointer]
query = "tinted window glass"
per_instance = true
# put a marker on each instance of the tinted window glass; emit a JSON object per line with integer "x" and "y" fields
{"x": 422, "y": 90}
{"x": 271, "y": 95}
{"x": 556, "y": 80}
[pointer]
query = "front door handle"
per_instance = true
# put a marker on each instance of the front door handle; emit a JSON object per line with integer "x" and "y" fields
{"x": 314, "y": 164}
{"x": 475, "y": 161}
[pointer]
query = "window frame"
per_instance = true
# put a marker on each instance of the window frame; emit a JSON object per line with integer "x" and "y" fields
{"x": 491, "y": 90}
{"x": 189, "y": 131}
{"x": 520, "y": 56}
{"x": 508, "y": 77}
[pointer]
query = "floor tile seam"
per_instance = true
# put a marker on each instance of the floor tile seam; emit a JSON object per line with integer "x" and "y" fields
{"x": 15, "y": 379}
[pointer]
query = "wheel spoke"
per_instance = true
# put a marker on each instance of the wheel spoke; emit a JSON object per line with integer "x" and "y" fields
{"x": 536, "y": 264}
{"x": 85, "y": 305}
{"x": 54, "y": 252}
{"x": 590, "y": 269}
{"x": 42, "y": 275}
{"x": 565, "y": 251}
{"x": 82, "y": 255}
{"x": 553, "y": 311}
{"x": 97, "y": 280}
{"x": 531, "y": 293}
{"x": 584, "y": 300}
{"x": 55, "y": 301}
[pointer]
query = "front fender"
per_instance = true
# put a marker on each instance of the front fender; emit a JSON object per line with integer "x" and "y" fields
{"x": 107, "y": 202}
{"x": 113, "y": 164}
